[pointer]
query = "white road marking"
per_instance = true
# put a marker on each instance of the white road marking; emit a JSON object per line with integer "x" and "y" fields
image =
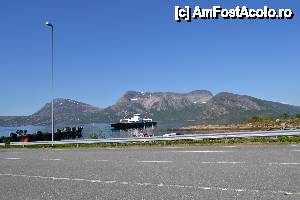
{"x": 294, "y": 145}
{"x": 12, "y": 158}
{"x": 57, "y": 178}
{"x": 143, "y": 184}
{"x": 97, "y": 181}
{"x": 296, "y": 150}
{"x": 201, "y": 151}
{"x": 289, "y": 163}
{"x": 51, "y": 159}
{"x": 284, "y": 163}
{"x": 223, "y": 189}
{"x": 288, "y": 193}
{"x": 223, "y": 162}
{"x": 101, "y": 160}
{"x": 229, "y": 146}
{"x": 154, "y": 161}
{"x": 110, "y": 182}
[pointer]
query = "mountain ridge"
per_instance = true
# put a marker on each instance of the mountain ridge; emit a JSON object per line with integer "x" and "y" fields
{"x": 200, "y": 106}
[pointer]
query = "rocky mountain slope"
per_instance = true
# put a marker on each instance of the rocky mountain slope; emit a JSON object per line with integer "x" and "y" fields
{"x": 199, "y": 106}
{"x": 65, "y": 111}
{"x": 139, "y": 102}
{"x": 66, "y": 106}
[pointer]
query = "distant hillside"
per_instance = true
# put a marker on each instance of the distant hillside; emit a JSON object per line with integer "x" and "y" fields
{"x": 199, "y": 106}
{"x": 139, "y": 102}
{"x": 65, "y": 111}
{"x": 153, "y": 104}
{"x": 231, "y": 108}
{"x": 67, "y": 107}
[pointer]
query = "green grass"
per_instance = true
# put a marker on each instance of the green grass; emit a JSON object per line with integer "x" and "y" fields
{"x": 277, "y": 140}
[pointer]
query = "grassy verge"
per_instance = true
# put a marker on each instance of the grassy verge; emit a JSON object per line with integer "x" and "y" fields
{"x": 276, "y": 140}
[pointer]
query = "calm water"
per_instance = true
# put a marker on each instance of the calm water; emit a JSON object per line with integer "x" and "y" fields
{"x": 101, "y": 129}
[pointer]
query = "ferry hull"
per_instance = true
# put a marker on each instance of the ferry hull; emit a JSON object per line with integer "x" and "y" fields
{"x": 131, "y": 125}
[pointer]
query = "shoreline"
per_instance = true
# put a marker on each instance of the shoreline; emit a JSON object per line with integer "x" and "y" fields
{"x": 236, "y": 128}
{"x": 203, "y": 142}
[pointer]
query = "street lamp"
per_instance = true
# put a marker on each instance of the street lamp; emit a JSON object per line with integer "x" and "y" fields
{"x": 52, "y": 78}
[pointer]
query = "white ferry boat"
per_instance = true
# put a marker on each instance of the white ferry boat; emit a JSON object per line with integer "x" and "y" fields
{"x": 134, "y": 122}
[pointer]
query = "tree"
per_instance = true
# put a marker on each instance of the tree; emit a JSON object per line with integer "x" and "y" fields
{"x": 297, "y": 116}
{"x": 254, "y": 119}
{"x": 285, "y": 116}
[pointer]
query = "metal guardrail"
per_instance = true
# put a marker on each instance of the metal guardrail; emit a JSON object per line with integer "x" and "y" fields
{"x": 228, "y": 135}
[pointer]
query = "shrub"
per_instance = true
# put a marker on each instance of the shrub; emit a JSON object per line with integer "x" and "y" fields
{"x": 261, "y": 121}
{"x": 285, "y": 116}
{"x": 6, "y": 142}
{"x": 93, "y": 136}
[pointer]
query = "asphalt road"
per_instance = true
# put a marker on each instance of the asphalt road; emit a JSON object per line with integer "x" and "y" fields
{"x": 220, "y": 172}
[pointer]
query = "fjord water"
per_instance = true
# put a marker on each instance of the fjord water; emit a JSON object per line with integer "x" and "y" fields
{"x": 101, "y": 129}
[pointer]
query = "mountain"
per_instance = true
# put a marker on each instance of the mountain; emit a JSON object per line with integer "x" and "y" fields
{"x": 67, "y": 107}
{"x": 232, "y": 108}
{"x": 153, "y": 104}
{"x": 65, "y": 111}
{"x": 199, "y": 106}
{"x": 158, "y": 101}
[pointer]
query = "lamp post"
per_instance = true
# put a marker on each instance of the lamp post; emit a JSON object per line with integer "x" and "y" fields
{"x": 52, "y": 79}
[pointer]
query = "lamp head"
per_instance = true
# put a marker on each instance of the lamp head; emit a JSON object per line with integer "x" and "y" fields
{"x": 49, "y": 24}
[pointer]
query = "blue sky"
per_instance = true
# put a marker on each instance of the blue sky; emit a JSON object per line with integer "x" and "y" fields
{"x": 104, "y": 48}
